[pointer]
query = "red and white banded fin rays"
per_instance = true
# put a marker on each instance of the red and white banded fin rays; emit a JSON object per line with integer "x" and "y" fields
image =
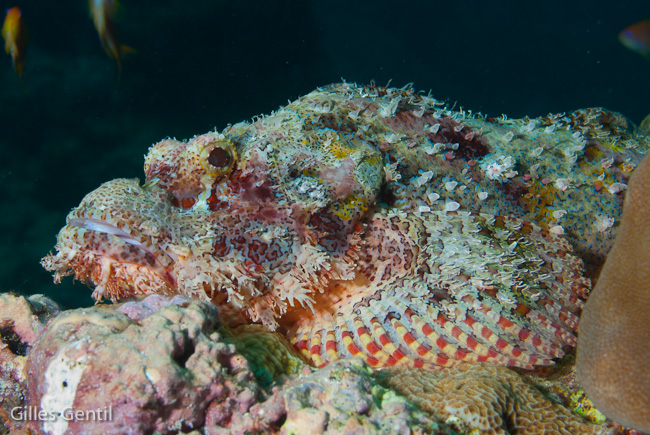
{"x": 479, "y": 288}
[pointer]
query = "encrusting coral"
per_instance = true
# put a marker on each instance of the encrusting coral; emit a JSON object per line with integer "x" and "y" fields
{"x": 371, "y": 222}
{"x": 613, "y": 353}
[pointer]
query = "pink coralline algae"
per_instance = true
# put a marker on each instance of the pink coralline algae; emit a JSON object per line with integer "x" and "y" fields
{"x": 371, "y": 222}
{"x": 21, "y": 322}
{"x": 159, "y": 372}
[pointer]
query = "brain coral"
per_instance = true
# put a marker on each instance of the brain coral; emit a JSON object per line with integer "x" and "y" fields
{"x": 613, "y": 350}
{"x": 487, "y": 399}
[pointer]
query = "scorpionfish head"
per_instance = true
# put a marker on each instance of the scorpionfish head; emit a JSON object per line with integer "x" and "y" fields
{"x": 259, "y": 219}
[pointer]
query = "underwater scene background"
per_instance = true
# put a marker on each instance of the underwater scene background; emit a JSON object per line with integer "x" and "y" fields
{"x": 201, "y": 65}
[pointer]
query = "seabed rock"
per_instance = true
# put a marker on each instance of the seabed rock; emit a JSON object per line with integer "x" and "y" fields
{"x": 166, "y": 365}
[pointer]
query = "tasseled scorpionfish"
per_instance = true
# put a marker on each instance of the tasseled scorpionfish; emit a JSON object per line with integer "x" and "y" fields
{"x": 371, "y": 222}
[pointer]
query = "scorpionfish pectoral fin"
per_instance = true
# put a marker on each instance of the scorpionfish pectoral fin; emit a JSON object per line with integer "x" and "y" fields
{"x": 442, "y": 288}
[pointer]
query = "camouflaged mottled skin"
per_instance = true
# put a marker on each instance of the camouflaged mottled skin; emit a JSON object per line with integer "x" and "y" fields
{"x": 371, "y": 222}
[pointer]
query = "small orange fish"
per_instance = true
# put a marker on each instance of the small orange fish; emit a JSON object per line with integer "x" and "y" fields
{"x": 103, "y": 13}
{"x": 15, "y": 35}
{"x": 637, "y": 37}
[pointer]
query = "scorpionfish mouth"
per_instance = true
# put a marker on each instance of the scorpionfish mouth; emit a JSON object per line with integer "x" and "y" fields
{"x": 116, "y": 243}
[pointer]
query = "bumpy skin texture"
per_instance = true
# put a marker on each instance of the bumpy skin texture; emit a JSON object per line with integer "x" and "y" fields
{"x": 613, "y": 353}
{"x": 370, "y": 222}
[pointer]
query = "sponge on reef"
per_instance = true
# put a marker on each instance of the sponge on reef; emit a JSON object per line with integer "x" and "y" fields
{"x": 613, "y": 360}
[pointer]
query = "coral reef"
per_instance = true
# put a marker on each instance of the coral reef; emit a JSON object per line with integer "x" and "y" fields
{"x": 489, "y": 399}
{"x": 644, "y": 127}
{"x": 21, "y": 321}
{"x": 342, "y": 398}
{"x": 269, "y": 354}
{"x": 167, "y": 365}
{"x": 612, "y": 358}
{"x": 371, "y": 222}
{"x": 159, "y": 373}
{"x": 560, "y": 383}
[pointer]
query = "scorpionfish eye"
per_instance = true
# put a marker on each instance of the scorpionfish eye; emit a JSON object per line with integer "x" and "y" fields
{"x": 217, "y": 158}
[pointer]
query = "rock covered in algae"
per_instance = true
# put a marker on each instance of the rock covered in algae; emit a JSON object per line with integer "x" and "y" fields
{"x": 21, "y": 321}
{"x": 342, "y": 398}
{"x": 159, "y": 373}
{"x": 164, "y": 365}
{"x": 371, "y": 222}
